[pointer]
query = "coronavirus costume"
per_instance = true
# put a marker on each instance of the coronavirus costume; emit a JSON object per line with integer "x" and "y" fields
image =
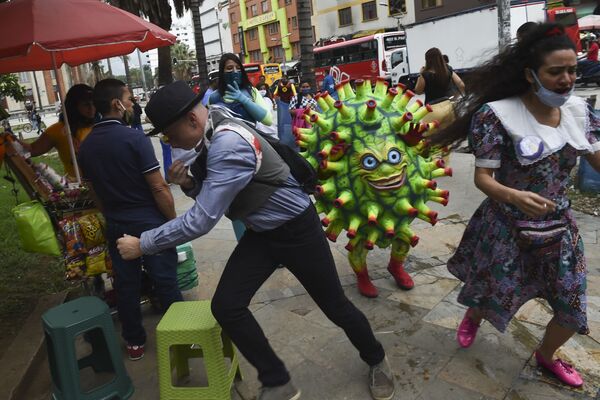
{"x": 375, "y": 172}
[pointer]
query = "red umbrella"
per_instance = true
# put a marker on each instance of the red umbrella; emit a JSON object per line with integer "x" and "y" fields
{"x": 74, "y": 32}
{"x": 45, "y": 34}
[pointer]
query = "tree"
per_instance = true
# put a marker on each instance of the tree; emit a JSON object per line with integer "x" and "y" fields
{"x": 126, "y": 65}
{"x": 98, "y": 71}
{"x": 183, "y": 68}
{"x": 159, "y": 13}
{"x": 307, "y": 58}
{"x": 503, "y": 23}
{"x": 9, "y": 87}
{"x": 199, "y": 38}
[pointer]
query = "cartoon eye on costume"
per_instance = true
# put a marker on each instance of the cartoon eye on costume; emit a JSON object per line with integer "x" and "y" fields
{"x": 394, "y": 156}
{"x": 369, "y": 162}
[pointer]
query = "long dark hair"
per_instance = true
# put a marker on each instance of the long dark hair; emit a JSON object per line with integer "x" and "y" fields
{"x": 222, "y": 84}
{"x": 434, "y": 62}
{"x": 77, "y": 94}
{"x": 504, "y": 76}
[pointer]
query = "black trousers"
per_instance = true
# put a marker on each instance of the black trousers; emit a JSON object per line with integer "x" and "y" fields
{"x": 301, "y": 245}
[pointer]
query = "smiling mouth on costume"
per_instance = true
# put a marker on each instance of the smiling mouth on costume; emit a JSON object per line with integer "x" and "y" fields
{"x": 393, "y": 182}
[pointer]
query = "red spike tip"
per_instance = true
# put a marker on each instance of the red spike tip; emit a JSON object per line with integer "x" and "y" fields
{"x": 325, "y": 222}
{"x": 390, "y": 233}
{"x": 448, "y": 171}
{"x": 351, "y": 234}
{"x": 414, "y": 241}
{"x": 369, "y": 245}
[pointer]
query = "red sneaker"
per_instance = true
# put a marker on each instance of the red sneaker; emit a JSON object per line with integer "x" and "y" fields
{"x": 467, "y": 330}
{"x": 135, "y": 352}
{"x": 563, "y": 371}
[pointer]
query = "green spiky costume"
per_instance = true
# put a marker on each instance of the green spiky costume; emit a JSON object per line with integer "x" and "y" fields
{"x": 375, "y": 172}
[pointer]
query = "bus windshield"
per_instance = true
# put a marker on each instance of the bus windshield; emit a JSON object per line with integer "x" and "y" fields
{"x": 393, "y": 42}
{"x": 566, "y": 19}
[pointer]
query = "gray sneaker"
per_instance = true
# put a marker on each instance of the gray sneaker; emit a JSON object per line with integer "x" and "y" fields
{"x": 284, "y": 392}
{"x": 381, "y": 381}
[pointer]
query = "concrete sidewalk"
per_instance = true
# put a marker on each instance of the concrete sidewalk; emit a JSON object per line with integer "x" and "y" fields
{"x": 417, "y": 328}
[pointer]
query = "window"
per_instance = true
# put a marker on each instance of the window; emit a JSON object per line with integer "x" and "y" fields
{"x": 232, "y": 17}
{"x": 278, "y": 53}
{"x": 236, "y": 38}
{"x": 256, "y": 55}
{"x": 369, "y": 11}
{"x": 397, "y": 58}
{"x": 295, "y": 22}
{"x": 397, "y": 7}
{"x": 345, "y": 16}
{"x": 273, "y": 28}
{"x": 288, "y": 2}
{"x": 252, "y": 34}
{"x": 24, "y": 77}
{"x": 431, "y": 3}
{"x": 254, "y": 10}
{"x": 264, "y": 6}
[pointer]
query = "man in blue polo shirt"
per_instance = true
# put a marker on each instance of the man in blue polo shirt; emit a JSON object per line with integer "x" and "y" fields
{"x": 119, "y": 165}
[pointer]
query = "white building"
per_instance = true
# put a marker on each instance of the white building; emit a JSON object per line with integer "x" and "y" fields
{"x": 214, "y": 15}
{"x": 333, "y": 18}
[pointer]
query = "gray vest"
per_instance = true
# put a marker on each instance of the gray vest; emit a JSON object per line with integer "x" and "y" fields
{"x": 271, "y": 173}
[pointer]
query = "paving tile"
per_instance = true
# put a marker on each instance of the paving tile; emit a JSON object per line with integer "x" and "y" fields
{"x": 536, "y": 312}
{"x": 593, "y": 308}
{"x": 429, "y": 290}
{"x": 447, "y": 313}
{"x": 438, "y": 389}
{"x": 439, "y": 271}
{"x": 524, "y": 389}
{"x": 491, "y": 379}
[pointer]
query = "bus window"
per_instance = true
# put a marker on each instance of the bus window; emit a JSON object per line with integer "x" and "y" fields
{"x": 339, "y": 55}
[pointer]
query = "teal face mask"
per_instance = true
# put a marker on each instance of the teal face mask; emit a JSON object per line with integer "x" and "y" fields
{"x": 231, "y": 77}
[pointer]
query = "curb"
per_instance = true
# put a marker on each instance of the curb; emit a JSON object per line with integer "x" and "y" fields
{"x": 25, "y": 350}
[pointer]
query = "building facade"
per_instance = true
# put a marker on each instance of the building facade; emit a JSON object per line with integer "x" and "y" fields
{"x": 334, "y": 18}
{"x": 216, "y": 29}
{"x": 427, "y": 9}
{"x": 41, "y": 87}
{"x": 265, "y": 30}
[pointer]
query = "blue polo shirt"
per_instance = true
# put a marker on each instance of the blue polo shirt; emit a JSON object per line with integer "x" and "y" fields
{"x": 114, "y": 158}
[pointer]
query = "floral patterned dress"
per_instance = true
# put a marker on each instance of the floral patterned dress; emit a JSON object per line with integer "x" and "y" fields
{"x": 498, "y": 276}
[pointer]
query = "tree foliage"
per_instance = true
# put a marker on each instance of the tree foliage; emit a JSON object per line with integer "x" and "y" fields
{"x": 184, "y": 68}
{"x": 9, "y": 87}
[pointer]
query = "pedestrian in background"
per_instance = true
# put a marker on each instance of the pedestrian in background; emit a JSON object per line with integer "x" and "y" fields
{"x": 237, "y": 94}
{"x": 440, "y": 84}
{"x": 299, "y": 103}
{"x": 329, "y": 84}
{"x": 526, "y": 130}
{"x": 136, "y": 121}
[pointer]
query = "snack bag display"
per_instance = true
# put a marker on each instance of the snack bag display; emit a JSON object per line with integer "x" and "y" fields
{"x": 92, "y": 229}
{"x": 96, "y": 261}
{"x": 72, "y": 236}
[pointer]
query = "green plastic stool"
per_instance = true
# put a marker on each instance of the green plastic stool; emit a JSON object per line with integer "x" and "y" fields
{"x": 89, "y": 316}
{"x": 189, "y": 330}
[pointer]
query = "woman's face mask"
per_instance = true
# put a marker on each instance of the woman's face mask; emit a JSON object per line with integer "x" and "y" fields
{"x": 233, "y": 76}
{"x": 262, "y": 92}
{"x": 549, "y": 97}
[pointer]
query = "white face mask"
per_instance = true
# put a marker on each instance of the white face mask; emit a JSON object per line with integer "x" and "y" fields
{"x": 262, "y": 92}
{"x": 549, "y": 97}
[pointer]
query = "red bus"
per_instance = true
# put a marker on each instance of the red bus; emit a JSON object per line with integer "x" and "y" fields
{"x": 366, "y": 56}
{"x": 567, "y": 17}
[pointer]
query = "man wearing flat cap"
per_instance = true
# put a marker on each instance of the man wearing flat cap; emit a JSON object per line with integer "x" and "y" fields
{"x": 238, "y": 173}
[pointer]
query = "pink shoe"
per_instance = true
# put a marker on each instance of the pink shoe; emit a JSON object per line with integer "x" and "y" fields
{"x": 563, "y": 371}
{"x": 467, "y": 330}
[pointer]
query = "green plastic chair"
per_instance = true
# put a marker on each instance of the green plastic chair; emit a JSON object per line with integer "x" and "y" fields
{"x": 189, "y": 330}
{"x": 90, "y": 317}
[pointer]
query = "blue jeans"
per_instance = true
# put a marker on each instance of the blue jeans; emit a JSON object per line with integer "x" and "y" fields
{"x": 167, "y": 159}
{"x": 162, "y": 269}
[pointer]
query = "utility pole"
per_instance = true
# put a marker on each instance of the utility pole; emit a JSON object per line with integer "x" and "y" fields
{"x": 142, "y": 71}
{"x": 503, "y": 23}
{"x": 307, "y": 57}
